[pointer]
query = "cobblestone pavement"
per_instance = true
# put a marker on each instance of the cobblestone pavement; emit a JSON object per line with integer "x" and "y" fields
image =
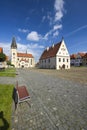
{"x": 56, "y": 104}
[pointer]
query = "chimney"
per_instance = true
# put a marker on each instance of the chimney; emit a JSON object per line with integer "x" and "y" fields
{"x": 47, "y": 49}
{"x": 53, "y": 46}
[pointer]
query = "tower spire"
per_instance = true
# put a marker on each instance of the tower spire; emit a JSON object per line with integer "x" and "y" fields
{"x": 13, "y": 44}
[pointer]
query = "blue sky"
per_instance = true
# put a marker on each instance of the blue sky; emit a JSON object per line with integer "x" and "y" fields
{"x": 37, "y": 24}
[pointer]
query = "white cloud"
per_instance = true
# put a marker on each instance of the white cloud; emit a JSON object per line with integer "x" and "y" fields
{"x": 43, "y": 18}
{"x": 55, "y": 34}
{"x": 52, "y": 31}
{"x": 35, "y": 46}
{"x": 34, "y": 49}
{"x": 47, "y": 35}
{"x": 23, "y": 30}
{"x": 55, "y": 21}
{"x": 18, "y": 38}
{"x": 33, "y": 36}
{"x": 56, "y": 27}
{"x": 49, "y": 17}
{"x": 58, "y": 6}
{"x": 77, "y": 30}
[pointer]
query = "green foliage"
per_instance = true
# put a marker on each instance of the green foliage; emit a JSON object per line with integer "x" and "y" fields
{"x": 5, "y": 106}
{"x": 9, "y": 72}
{"x": 2, "y": 57}
{"x": 8, "y": 62}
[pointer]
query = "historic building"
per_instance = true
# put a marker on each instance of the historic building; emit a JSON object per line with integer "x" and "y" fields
{"x": 85, "y": 60}
{"x": 72, "y": 59}
{"x": 55, "y": 57}
{"x": 20, "y": 60}
{"x": 78, "y": 59}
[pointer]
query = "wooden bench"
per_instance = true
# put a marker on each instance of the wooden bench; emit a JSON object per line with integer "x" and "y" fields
{"x": 23, "y": 94}
{"x": 20, "y": 94}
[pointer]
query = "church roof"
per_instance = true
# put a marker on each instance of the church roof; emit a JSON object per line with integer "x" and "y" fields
{"x": 51, "y": 51}
{"x": 13, "y": 44}
{"x": 25, "y": 55}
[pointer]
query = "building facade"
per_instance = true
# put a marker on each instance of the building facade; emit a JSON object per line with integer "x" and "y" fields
{"x": 55, "y": 57}
{"x": 20, "y": 60}
{"x": 78, "y": 59}
{"x": 85, "y": 60}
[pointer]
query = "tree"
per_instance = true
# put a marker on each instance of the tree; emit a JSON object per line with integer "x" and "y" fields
{"x": 2, "y": 57}
{"x": 8, "y": 62}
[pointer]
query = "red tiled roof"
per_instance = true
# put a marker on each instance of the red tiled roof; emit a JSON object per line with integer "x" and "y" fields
{"x": 51, "y": 52}
{"x": 81, "y": 54}
{"x": 1, "y": 49}
{"x": 24, "y": 55}
{"x": 73, "y": 56}
{"x": 85, "y": 56}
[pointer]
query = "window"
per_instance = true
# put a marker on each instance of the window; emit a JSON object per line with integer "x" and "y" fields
{"x": 49, "y": 60}
{"x": 59, "y": 59}
{"x": 31, "y": 61}
{"x": 63, "y": 60}
{"x": 13, "y": 53}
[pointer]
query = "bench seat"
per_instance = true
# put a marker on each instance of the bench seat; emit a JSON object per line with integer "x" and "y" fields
{"x": 23, "y": 94}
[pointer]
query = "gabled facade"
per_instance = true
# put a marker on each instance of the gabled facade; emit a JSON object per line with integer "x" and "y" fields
{"x": 72, "y": 59}
{"x": 85, "y": 60}
{"x": 55, "y": 57}
{"x": 79, "y": 59}
{"x": 20, "y": 60}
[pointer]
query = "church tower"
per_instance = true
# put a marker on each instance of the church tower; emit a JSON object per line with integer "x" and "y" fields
{"x": 14, "y": 52}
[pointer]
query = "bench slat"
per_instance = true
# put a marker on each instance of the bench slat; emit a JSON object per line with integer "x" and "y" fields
{"x": 22, "y": 93}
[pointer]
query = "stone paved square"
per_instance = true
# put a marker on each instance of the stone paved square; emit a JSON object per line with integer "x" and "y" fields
{"x": 56, "y": 103}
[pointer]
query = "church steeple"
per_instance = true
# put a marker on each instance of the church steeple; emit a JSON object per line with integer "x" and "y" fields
{"x": 13, "y": 44}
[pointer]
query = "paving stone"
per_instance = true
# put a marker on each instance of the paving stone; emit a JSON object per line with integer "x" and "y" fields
{"x": 56, "y": 104}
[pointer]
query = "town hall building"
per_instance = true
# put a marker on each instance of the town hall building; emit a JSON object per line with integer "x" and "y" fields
{"x": 55, "y": 57}
{"x": 20, "y": 60}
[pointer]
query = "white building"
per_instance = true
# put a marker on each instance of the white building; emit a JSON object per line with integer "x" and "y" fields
{"x": 20, "y": 60}
{"x": 55, "y": 57}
